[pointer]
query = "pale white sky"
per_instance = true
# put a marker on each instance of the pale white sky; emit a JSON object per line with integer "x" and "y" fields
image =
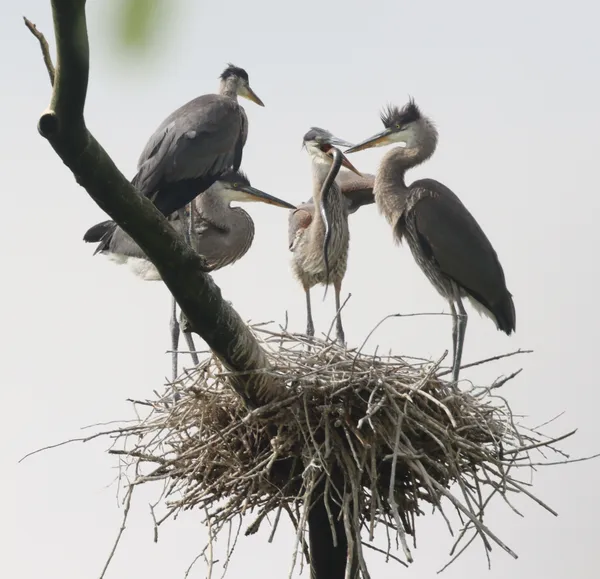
{"x": 513, "y": 88}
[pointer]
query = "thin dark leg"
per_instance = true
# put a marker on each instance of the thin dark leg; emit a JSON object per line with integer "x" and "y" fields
{"x": 462, "y": 328}
{"x": 186, "y": 225}
{"x": 188, "y": 228}
{"x": 454, "y": 329}
{"x": 339, "y": 330}
{"x": 174, "y": 340}
{"x": 310, "y": 327}
{"x": 187, "y": 333}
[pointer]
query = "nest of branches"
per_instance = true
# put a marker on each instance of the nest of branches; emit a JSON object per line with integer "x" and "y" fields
{"x": 381, "y": 437}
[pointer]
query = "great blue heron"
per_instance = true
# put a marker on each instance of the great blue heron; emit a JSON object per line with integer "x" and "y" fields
{"x": 221, "y": 234}
{"x": 193, "y": 146}
{"x": 309, "y": 227}
{"x": 447, "y": 243}
{"x": 190, "y": 149}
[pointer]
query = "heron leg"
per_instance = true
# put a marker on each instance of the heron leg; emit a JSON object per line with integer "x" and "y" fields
{"x": 339, "y": 330}
{"x": 184, "y": 327}
{"x": 460, "y": 339}
{"x": 186, "y": 330}
{"x": 174, "y": 340}
{"x": 454, "y": 329}
{"x": 310, "y": 327}
{"x": 185, "y": 224}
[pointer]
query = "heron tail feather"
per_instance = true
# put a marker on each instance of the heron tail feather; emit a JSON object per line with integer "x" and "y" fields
{"x": 101, "y": 234}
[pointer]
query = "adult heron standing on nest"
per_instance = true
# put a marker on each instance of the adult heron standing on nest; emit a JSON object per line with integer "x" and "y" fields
{"x": 188, "y": 152}
{"x": 221, "y": 234}
{"x": 319, "y": 239}
{"x": 447, "y": 243}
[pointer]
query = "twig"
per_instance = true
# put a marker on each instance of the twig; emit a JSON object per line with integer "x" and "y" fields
{"x": 486, "y": 360}
{"x": 121, "y": 530}
{"x": 211, "y": 453}
{"x": 44, "y": 46}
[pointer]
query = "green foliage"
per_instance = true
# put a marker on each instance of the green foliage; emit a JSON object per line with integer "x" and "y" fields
{"x": 138, "y": 21}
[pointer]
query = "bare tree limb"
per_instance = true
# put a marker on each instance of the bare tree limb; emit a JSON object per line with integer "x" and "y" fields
{"x": 44, "y": 46}
{"x": 180, "y": 267}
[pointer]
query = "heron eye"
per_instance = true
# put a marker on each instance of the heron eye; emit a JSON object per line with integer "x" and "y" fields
{"x": 398, "y": 126}
{"x": 235, "y": 185}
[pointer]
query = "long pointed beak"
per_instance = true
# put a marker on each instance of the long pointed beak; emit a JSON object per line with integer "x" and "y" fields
{"x": 378, "y": 140}
{"x": 252, "y": 96}
{"x": 339, "y": 142}
{"x": 258, "y": 195}
{"x": 345, "y": 162}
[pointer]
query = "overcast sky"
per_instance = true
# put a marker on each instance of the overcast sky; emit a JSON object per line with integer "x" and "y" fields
{"x": 513, "y": 87}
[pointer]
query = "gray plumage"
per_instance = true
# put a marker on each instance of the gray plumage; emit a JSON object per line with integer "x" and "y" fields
{"x": 221, "y": 234}
{"x": 444, "y": 238}
{"x": 307, "y": 226}
{"x": 193, "y": 146}
{"x": 357, "y": 192}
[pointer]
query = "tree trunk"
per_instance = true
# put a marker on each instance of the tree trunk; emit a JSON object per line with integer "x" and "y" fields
{"x": 180, "y": 267}
{"x": 328, "y": 561}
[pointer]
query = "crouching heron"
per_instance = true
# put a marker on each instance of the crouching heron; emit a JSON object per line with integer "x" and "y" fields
{"x": 221, "y": 234}
{"x": 445, "y": 240}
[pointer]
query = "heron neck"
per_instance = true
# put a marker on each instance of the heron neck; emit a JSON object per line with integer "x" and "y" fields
{"x": 212, "y": 207}
{"x": 335, "y": 209}
{"x": 228, "y": 88}
{"x": 320, "y": 172}
{"x": 390, "y": 189}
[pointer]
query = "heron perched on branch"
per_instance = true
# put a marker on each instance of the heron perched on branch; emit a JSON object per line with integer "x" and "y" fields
{"x": 193, "y": 146}
{"x": 189, "y": 151}
{"x": 447, "y": 243}
{"x": 221, "y": 234}
{"x": 318, "y": 230}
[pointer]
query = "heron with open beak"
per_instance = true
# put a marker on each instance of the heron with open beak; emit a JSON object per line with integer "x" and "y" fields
{"x": 318, "y": 232}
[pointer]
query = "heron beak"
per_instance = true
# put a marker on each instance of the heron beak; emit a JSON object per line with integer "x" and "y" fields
{"x": 350, "y": 166}
{"x": 327, "y": 149}
{"x": 378, "y": 140}
{"x": 252, "y": 194}
{"x": 339, "y": 142}
{"x": 249, "y": 94}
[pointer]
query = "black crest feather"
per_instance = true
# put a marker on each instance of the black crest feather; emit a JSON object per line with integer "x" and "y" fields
{"x": 233, "y": 70}
{"x": 233, "y": 176}
{"x": 393, "y": 115}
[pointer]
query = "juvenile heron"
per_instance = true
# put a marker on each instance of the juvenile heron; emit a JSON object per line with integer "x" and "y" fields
{"x": 221, "y": 234}
{"x": 194, "y": 145}
{"x": 309, "y": 228}
{"x": 447, "y": 243}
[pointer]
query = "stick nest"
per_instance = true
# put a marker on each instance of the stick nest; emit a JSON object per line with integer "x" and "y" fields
{"x": 382, "y": 436}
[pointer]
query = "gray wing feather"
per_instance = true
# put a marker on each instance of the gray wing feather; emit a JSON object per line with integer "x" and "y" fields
{"x": 451, "y": 236}
{"x": 298, "y": 221}
{"x": 122, "y": 244}
{"x": 201, "y": 138}
{"x": 219, "y": 246}
{"x": 357, "y": 190}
